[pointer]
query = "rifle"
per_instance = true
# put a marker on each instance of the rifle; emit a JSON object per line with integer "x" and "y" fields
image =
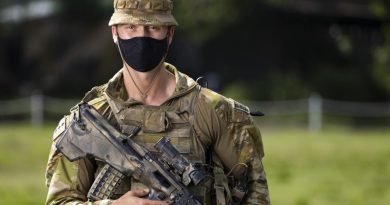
{"x": 90, "y": 134}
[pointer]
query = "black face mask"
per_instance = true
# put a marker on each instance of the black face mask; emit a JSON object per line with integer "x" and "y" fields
{"x": 143, "y": 54}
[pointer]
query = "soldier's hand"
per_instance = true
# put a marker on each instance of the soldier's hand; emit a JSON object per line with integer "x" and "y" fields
{"x": 134, "y": 198}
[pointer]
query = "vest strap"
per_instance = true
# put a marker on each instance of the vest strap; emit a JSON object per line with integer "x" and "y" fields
{"x": 221, "y": 186}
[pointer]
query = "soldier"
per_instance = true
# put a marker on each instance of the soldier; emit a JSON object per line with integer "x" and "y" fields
{"x": 154, "y": 95}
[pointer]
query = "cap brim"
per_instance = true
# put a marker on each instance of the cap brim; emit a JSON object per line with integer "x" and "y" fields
{"x": 143, "y": 19}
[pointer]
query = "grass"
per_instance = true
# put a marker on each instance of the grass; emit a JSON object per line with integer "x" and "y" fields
{"x": 338, "y": 166}
{"x": 23, "y": 156}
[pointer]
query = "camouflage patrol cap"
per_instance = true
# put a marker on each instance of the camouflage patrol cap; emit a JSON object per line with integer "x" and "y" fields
{"x": 143, "y": 12}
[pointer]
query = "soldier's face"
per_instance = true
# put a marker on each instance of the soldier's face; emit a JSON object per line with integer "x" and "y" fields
{"x": 128, "y": 31}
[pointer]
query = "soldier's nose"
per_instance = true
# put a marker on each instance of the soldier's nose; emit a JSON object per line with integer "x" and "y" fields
{"x": 143, "y": 31}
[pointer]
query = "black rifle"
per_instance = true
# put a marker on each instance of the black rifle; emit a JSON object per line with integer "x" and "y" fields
{"x": 90, "y": 134}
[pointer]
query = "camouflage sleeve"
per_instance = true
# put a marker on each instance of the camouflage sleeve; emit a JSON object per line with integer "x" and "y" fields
{"x": 69, "y": 182}
{"x": 252, "y": 152}
{"x": 236, "y": 140}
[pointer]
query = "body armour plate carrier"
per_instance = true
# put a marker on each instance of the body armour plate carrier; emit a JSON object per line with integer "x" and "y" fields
{"x": 173, "y": 121}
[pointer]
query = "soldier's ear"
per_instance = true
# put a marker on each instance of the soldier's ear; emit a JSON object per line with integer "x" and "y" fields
{"x": 171, "y": 32}
{"x": 114, "y": 34}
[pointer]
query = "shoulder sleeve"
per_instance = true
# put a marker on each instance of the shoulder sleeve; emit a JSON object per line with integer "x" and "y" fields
{"x": 69, "y": 182}
{"x": 208, "y": 121}
{"x": 235, "y": 139}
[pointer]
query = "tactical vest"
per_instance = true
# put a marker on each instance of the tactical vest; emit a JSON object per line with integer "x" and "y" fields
{"x": 173, "y": 120}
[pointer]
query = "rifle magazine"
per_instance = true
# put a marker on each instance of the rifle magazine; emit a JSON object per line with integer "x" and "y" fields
{"x": 105, "y": 184}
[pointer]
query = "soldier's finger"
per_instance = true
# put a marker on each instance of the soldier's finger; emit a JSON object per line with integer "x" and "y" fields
{"x": 138, "y": 192}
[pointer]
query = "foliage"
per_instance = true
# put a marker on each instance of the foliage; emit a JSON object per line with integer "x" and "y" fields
{"x": 279, "y": 86}
{"x": 381, "y": 67}
{"x": 378, "y": 7}
{"x": 238, "y": 90}
{"x": 204, "y": 18}
{"x": 274, "y": 48}
{"x": 284, "y": 86}
{"x": 336, "y": 167}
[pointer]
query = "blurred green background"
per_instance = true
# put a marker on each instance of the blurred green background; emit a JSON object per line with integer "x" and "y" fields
{"x": 265, "y": 49}
{"x": 319, "y": 69}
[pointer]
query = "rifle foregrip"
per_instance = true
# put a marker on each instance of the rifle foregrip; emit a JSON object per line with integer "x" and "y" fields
{"x": 105, "y": 184}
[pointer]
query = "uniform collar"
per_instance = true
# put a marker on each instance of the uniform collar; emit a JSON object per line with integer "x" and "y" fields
{"x": 116, "y": 89}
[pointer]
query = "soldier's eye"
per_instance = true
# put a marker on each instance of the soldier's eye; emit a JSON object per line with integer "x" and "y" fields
{"x": 131, "y": 27}
{"x": 155, "y": 28}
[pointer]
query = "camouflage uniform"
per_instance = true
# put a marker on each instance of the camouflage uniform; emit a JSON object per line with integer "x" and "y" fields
{"x": 196, "y": 120}
{"x": 217, "y": 123}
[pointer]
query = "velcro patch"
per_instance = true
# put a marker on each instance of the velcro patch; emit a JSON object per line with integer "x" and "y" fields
{"x": 240, "y": 107}
{"x": 240, "y": 112}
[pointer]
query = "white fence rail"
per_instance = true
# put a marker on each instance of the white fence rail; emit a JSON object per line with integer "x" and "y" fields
{"x": 35, "y": 106}
{"x": 314, "y": 107}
